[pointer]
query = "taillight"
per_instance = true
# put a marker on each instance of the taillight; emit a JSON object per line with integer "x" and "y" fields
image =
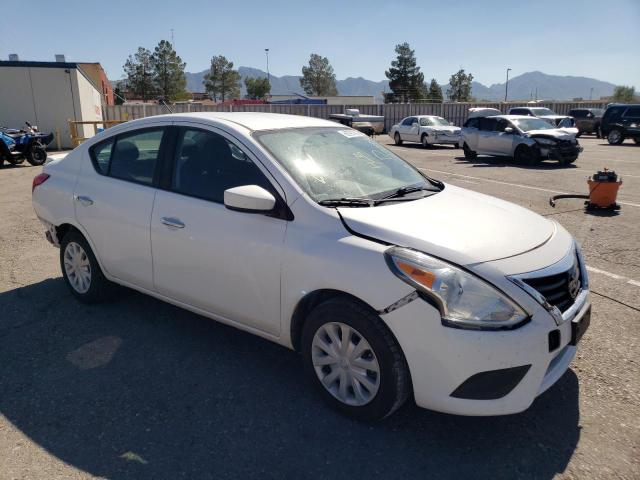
{"x": 39, "y": 180}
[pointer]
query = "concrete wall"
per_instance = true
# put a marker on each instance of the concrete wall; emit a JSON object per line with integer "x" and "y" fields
{"x": 47, "y": 97}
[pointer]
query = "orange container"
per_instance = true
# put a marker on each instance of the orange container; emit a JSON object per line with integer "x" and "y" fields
{"x": 603, "y": 194}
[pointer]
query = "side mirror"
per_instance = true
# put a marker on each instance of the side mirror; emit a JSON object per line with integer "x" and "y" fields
{"x": 508, "y": 130}
{"x": 249, "y": 199}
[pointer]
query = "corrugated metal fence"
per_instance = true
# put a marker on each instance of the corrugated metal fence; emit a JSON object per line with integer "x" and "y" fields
{"x": 393, "y": 112}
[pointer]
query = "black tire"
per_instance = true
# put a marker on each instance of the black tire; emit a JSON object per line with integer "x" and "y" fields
{"x": 36, "y": 155}
{"x": 100, "y": 288}
{"x": 615, "y": 136}
{"x": 468, "y": 153}
{"x": 579, "y": 134}
{"x": 394, "y": 381}
{"x": 637, "y": 141}
{"x": 425, "y": 143}
{"x": 397, "y": 139}
{"x": 15, "y": 160}
{"x": 597, "y": 132}
{"x": 527, "y": 156}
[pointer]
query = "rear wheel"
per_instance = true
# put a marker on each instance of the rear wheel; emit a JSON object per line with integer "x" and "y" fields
{"x": 354, "y": 361}
{"x": 578, "y": 134}
{"x": 637, "y": 140}
{"x": 615, "y": 137}
{"x": 468, "y": 153}
{"x": 525, "y": 155}
{"x": 397, "y": 139}
{"x": 81, "y": 270}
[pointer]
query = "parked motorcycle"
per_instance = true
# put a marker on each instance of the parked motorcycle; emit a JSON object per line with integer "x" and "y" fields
{"x": 28, "y": 144}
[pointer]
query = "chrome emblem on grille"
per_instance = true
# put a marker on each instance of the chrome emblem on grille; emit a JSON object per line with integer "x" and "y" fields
{"x": 574, "y": 282}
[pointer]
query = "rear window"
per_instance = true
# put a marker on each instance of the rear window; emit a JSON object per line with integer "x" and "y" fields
{"x": 519, "y": 111}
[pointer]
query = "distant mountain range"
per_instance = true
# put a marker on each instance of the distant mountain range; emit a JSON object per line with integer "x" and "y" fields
{"x": 522, "y": 87}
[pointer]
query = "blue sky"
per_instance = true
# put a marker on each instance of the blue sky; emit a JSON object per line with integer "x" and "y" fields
{"x": 588, "y": 38}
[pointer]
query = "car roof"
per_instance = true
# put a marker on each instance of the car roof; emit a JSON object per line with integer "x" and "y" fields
{"x": 508, "y": 117}
{"x": 252, "y": 121}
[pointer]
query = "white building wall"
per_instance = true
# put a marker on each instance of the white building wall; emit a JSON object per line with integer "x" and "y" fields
{"x": 47, "y": 97}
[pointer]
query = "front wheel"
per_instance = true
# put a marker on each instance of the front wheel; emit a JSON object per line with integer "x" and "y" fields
{"x": 526, "y": 156}
{"x": 36, "y": 155}
{"x": 615, "y": 137}
{"x": 425, "y": 141}
{"x": 354, "y": 361}
{"x": 81, "y": 270}
{"x": 397, "y": 139}
{"x": 468, "y": 153}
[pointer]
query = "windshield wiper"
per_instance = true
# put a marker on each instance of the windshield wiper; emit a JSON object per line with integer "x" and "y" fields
{"x": 401, "y": 192}
{"x": 347, "y": 202}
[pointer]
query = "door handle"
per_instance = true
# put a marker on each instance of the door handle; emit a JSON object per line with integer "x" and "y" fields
{"x": 172, "y": 222}
{"x": 83, "y": 199}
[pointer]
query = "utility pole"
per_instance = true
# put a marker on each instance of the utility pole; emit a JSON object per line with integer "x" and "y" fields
{"x": 590, "y": 93}
{"x": 172, "y": 44}
{"x": 506, "y": 85}
{"x": 266, "y": 52}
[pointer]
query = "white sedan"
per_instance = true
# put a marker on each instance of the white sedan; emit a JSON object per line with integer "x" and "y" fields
{"x": 427, "y": 130}
{"x": 390, "y": 283}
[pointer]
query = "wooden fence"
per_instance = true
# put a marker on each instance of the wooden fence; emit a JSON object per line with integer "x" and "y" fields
{"x": 456, "y": 113}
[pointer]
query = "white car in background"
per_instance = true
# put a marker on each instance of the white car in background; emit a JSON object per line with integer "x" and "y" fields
{"x": 528, "y": 140}
{"x": 390, "y": 283}
{"x": 427, "y": 130}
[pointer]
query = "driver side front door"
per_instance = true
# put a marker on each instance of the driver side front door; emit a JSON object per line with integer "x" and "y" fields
{"x": 224, "y": 262}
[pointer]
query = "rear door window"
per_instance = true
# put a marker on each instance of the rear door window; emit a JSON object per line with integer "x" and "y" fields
{"x": 101, "y": 156}
{"x": 471, "y": 123}
{"x": 519, "y": 111}
{"x": 632, "y": 112}
{"x": 488, "y": 124}
{"x": 135, "y": 156}
{"x": 578, "y": 113}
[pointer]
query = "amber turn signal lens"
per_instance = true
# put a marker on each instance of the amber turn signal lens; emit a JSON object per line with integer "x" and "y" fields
{"x": 421, "y": 276}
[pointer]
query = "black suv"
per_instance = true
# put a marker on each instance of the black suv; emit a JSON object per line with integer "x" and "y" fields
{"x": 588, "y": 120}
{"x": 620, "y": 122}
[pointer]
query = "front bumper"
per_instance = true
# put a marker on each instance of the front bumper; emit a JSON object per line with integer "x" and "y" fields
{"x": 444, "y": 139}
{"x": 561, "y": 152}
{"x": 442, "y": 359}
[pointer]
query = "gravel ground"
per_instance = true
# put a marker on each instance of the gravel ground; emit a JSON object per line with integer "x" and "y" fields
{"x": 137, "y": 388}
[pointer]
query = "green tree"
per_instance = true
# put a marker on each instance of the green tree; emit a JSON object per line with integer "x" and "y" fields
{"x": 257, "y": 88}
{"x": 318, "y": 78}
{"x": 434, "y": 93}
{"x": 460, "y": 87}
{"x": 168, "y": 67}
{"x": 222, "y": 81}
{"x": 623, "y": 94}
{"x": 140, "y": 74}
{"x": 406, "y": 81}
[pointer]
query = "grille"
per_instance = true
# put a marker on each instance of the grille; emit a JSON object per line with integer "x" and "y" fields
{"x": 560, "y": 289}
{"x": 567, "y": 148}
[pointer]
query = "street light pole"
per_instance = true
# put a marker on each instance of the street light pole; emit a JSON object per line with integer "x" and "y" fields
{"x": 266, "y": 51}
{"x": 506, "y": 85}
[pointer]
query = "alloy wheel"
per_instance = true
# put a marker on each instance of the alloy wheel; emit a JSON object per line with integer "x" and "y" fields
{"x": 77, "y": 267}
{"x": 345, "y": 364}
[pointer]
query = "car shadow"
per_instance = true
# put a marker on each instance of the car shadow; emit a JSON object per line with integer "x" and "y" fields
{"x": 626, "y": 143}
{"x": 485, "y": 161}
{"x": 420, "y": 147}
{"x": 137, "y": 388}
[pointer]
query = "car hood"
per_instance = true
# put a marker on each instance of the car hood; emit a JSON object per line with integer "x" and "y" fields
{"x": 557, "y": 133}
{"x": 456, "y": 224}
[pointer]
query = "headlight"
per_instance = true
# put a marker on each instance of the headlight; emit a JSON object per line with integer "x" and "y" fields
{"x": 464, "y": 300}
{"x": 545, "y": 141}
